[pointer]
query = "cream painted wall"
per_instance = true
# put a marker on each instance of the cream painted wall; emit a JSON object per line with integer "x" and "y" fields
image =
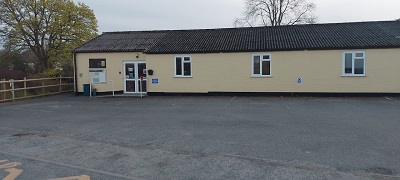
{"x": 321, "y": 71}
{"x": 114, "y": 65}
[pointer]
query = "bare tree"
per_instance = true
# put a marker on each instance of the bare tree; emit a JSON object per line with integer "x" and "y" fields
{"x": 277, "y": 13}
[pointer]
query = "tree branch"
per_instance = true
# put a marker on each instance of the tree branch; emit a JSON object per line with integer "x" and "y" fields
{"x": 278, "y": 12}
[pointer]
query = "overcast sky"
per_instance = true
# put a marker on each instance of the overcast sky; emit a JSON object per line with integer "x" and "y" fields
{"x": 126, "y": 15}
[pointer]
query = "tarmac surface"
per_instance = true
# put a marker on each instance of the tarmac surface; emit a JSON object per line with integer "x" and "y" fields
{"x": 178, "y": 137}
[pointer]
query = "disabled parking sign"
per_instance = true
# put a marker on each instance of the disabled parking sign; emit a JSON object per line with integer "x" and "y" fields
{"x": 299, "y": 80}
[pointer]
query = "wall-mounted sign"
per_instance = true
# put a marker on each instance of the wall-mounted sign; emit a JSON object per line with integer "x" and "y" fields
{"x": 97, "y": 76}
{"x": 154, "y": 81}
{"x": 299, "y": 80}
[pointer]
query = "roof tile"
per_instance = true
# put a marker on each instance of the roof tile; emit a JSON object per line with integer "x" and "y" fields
{"x": 360, "y": 35}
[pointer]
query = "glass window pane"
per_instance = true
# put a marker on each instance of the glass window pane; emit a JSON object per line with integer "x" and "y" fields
{"x": 359, "y": 66}
{"x": 186, "y": 58}
{"x": 142, "y": 70}
{"x": 178, "y": 67}
{"x": 187, "y": 69}
{"x": 266, "y": 68}
{"x": 266, "y": 57}
{"x": 130, "y": 86}
{"x": 97, "y": 63}
{"x": 348, "y": 69}
{"x": 360, "y": 55}
{"x": 130, "y": 71}
{"x": 142, "y": 86}
{"x": 256, "y": 64}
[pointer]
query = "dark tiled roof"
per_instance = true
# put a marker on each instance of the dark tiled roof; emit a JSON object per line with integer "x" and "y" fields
{"x": 122, "y": 41}
{"x": 361, "y": 35}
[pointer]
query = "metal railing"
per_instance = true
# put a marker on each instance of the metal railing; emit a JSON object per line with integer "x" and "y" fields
{"x": 106, "y": 82}
{"x": 20, "y": 89}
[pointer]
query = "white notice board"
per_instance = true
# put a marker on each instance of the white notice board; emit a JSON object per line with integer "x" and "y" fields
{"x": 97, "y": 76}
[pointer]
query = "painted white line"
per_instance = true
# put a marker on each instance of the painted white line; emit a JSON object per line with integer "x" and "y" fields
{"x": 390, "y": 99}
{"x": 287, "y": 107}
{"x": 355, "y": 107}
{"x": 59, "y": 106}
{"x": 331, "y": 99}
{"x": 81, "y": 177}
{"x": 14, "y": 173}
{"x": 226, "y": 105}
{"x": 70, "y": 166}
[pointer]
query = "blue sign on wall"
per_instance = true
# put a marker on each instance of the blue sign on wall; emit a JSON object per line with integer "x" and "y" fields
{"x": 154, "y": 81}
{"x": 299, "y": 80}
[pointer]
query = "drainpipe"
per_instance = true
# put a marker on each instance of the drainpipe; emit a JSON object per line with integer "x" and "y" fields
{"x": 75, "y": 75}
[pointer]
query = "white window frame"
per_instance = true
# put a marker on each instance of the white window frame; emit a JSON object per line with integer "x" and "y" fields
{"x": 352, "y": 74}
{"x": 182, "y": 66}
{"x": 261, "y": 60}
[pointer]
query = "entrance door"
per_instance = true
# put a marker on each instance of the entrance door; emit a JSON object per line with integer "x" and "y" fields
{"x": 135, "y": 80}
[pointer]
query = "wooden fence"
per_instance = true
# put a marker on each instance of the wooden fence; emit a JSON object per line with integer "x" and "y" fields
{"x": 20, "y": 89}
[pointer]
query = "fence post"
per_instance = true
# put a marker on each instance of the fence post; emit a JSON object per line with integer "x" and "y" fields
{"x": 25, "y": 86}
{"x": 42, "y": 87}
{"x": 4, "y": 88}
{"x": 60, "y": 84}
{"x": 12, "y": 88}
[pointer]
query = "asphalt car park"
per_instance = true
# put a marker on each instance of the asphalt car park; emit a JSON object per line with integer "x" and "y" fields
{"x": 200, "y": 137}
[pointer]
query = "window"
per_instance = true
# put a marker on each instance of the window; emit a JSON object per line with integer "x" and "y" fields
{"x": 261, "y": 65}
{"x": 183, "y": 66}
{"x": 354, "y": 64}
{"x": 97, "y": 63}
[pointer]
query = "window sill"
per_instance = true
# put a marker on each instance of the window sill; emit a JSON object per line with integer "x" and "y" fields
{"x": 354, "y": 75}
{"x": 261, "y": 76}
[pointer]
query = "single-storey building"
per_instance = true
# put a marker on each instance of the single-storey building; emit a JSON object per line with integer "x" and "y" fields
{"x": 361, "y": 57}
